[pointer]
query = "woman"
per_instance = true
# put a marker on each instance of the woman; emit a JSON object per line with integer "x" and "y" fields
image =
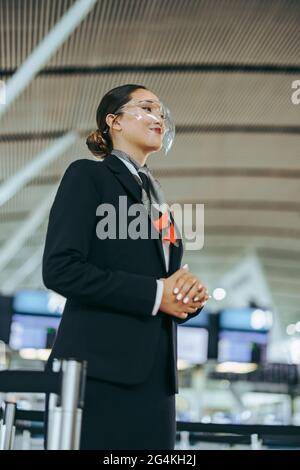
{"x": 125, "y": 295}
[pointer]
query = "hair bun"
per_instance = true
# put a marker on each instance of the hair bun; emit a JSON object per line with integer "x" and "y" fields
{"x": 97, "y": 144}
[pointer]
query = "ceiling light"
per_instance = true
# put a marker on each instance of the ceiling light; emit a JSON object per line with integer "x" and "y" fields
{"x": 219, "y": 293}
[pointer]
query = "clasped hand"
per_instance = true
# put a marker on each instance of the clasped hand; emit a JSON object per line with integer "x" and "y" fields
{"x": 183, "y": 293}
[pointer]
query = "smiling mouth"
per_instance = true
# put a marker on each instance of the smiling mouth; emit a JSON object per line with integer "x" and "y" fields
{"x": 158, "y": 131}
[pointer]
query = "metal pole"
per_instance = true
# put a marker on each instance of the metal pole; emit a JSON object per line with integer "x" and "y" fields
{"x": 79, "y": 410}
{"x": 2, "y": 428}
{"x": 54, "y": 414}
{"x": 69, "y": 402}
{"x": 12, "y": 437}
{"x": 54, "y": 429}
{"x": 26, "y": 440}
{"x": 65, "y": 411}
{"x": 78, "y": 429}
{"x": 255, "y": 442}
{"x": 8, "y": 427}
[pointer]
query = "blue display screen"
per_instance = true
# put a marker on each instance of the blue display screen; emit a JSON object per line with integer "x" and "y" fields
{"x": 192, "y": 344}
{"x": 245, "y": 319}
{"x": 33, "y": 331}
{"x": 242, "y": 346}
{"x": 37, "y": 302}
{"x": 35, "y": 320}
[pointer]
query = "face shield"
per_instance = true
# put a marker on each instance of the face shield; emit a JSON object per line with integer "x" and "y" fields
{"x": 153, "y": 112}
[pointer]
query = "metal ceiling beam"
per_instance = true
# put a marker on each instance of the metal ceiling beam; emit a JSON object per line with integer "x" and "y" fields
{"x": 11, "y": 284}
{"x": 25, "y": 229}
{"x": 42, "y": 53}
{"x": 222, "y": 68}
{"x": 197, "y": 130}
{"x": 11, "y": 186}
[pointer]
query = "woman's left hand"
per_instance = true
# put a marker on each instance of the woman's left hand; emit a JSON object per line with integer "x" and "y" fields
{"x": 190, "y": 290}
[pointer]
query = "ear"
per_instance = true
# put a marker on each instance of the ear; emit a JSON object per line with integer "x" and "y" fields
{"x": 113, "y": 121}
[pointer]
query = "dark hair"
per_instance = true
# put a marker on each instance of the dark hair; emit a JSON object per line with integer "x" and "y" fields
{"x": 99, "y": 143}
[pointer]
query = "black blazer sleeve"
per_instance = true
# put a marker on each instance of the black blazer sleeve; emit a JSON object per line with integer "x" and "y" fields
{"x": 65, "y": 267}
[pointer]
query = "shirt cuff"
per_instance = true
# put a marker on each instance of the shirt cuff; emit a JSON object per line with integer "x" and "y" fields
{"x": 159, "y": 294}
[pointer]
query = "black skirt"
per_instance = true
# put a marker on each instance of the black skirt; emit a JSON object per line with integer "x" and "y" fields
{"x": 133, "y": 417}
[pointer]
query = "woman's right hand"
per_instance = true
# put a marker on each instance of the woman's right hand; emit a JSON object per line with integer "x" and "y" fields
{"x": 188, "y": 285}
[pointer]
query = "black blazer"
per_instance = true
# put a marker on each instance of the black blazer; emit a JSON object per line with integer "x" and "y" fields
{"x": 109, "y": 284}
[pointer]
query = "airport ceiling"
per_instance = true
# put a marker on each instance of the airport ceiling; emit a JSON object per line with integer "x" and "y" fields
{"x": 225, "y": 68}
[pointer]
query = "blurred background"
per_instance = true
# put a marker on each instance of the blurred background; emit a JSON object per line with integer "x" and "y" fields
{"x": 228, "y": 70}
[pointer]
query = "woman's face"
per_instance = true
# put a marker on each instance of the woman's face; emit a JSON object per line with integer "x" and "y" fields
{"x": 140, "y": 126}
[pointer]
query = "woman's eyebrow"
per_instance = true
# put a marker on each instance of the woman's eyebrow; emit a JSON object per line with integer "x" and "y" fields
{"x": 151, "y": 101}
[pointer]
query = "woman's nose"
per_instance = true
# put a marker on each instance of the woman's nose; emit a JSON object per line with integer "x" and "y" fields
{"x": 159, "y": 119}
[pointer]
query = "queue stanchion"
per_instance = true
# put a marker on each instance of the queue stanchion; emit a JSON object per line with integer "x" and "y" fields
{"x": 54, "y": 414}
{"x": 79, "y": 410}
{"x": 1, "y": 434}
{"x": 7, "y": 426}
{"x": 65, "y": 410}
{"x": 256, "y": 443}
{"x": 26, "y": 440}
{"x": 65, "y": 386}
{"x": 70, "y": 393}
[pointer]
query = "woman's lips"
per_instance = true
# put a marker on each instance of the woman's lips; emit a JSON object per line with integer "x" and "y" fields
{"x": 157, "y": 130}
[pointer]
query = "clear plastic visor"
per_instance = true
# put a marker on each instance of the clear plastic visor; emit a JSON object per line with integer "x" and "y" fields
{"x": 154, "y": 112}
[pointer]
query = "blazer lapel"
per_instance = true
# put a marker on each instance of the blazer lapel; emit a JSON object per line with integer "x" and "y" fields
{"x": 175, "y": 251}
{"x": 123, "y": 174}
